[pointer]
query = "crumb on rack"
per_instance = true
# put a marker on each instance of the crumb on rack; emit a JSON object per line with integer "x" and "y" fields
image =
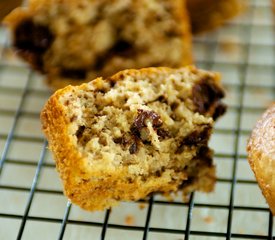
{"x": 208, "y": 219}
{"x": 142, "y": 206}
{"x": 129, "y": 220}
{"x": 229, "y": 45}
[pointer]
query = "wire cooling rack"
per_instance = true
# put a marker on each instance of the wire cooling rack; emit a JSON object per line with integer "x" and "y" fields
{"x": 32, "y": 205}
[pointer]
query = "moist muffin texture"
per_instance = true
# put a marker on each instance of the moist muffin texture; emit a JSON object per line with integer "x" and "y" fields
{"x": 133, "y": 134}
{"x": 78, "y": 40}
{"x": 207, "y": 15}
{"x": 261, "y": 154}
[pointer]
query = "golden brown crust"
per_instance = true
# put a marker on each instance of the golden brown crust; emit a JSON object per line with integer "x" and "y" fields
{"x": 207, "y": 15}
{"x": 261, "y": 155}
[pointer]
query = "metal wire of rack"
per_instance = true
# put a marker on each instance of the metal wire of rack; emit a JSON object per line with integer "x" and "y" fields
{"x": 31, "y": 199}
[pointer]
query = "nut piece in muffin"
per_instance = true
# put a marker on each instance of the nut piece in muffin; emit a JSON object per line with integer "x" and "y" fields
{"x": 78, "y": 40}
{"x": 133, "y": 134}
{"x": 261, "y": 155}
{"x": 207, "y": 15}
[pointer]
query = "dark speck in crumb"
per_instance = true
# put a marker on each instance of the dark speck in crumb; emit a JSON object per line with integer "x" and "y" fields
{"x": 174, "y": 105}
{"x": 112, "y": 83}
{"x": 118, "y": 140}
{"x": 162, "y": 133}
{"x": 80, "y": 131}
{"x": 162, "y": 99}
{"x": 133, "y": 148}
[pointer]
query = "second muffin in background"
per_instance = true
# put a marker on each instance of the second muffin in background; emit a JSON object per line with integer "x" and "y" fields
{"x": 207, "y": 15}
{"x": 76, "y": 41}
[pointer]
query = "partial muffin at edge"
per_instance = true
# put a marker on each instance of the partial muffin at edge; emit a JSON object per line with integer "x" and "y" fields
{"x": 261, "y": 154}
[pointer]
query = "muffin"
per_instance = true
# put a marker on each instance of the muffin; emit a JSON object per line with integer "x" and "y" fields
{"x": 136, "y": 133}
{"x": 73, "y": 41}
{"x": 261, "y": 154}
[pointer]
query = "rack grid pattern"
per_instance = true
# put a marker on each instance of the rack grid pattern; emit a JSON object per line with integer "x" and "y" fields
{"x": 31, "y": 199}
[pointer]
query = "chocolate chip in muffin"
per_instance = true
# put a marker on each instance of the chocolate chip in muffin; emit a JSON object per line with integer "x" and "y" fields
{"x": 205, "y": 153}
{"x": 142, "y": 120}
{"x": 122, "y": 48}
{"x": 202, "y": 160}
{"x": 41, "y": 37}
{"x": 205, "y": 94}
{"x": 195, "y": 138}
{"x": 76, "y": 74}
{"x": 139, "y": 127}
{"x": 33, "y": 40}
{"x": 219, "y": 110}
